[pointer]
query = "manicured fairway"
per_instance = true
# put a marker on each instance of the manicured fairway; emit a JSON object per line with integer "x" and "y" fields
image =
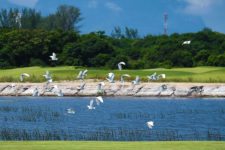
{"x": 112, "y": 145}
{"x": 198, "y": 74}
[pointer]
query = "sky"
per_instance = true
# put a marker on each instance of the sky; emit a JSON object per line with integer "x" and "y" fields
{"x": 145, "y": 15}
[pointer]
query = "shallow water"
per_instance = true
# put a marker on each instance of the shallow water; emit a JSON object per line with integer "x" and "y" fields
{"x": 123, "y": 119}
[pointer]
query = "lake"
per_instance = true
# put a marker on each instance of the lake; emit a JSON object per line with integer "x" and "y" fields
{"x": 117, "y": 119}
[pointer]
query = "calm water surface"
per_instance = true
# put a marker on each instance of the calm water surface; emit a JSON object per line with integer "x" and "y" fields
{"x": 123, "y": 119}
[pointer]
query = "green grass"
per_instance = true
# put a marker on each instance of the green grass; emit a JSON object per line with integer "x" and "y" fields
{"x": 197, "y": 74}
{"x": 112, "y": 145}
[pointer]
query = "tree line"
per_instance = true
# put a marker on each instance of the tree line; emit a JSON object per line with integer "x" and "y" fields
{"x": 34, "y": 42}
{"x": 65, "y": 18}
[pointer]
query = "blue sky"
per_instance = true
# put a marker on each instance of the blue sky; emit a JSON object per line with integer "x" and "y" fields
{"x": 145, "y": 15}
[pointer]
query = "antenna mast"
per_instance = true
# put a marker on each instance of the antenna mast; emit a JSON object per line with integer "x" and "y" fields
{"x": 165, "y": 24}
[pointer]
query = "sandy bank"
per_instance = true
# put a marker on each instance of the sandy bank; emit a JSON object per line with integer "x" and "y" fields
{"x": 117, "y": 89}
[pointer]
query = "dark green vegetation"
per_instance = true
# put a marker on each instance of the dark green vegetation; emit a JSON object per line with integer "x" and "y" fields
{"x": 112, "y": 145}
{"x": 39, "y": 36}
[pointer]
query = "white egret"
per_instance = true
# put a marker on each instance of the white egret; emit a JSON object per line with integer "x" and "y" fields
{"x": 70, "y": 111}
{"x": 110, "y": 77}
{"x": 81, "y": 87}
{"x": 100, "y": 87}
{"x": 82, "y": 74}
{"x": 13, "y": 85}
{"x": 123, "y": 76}
{"x": 150, "y": 124}
{"x": 152, "y": 77}
{"x": 99, "y": 100}
{"x": 23, "y": 75}
{"x": 53, "y": 57}
{"x": 47, "y": 76}
{"x": 161, "y": 76}
{"x": 120, "y": 65}
{"x": 36, "y": 92}
{"x": 58, "y": 91}
{"x": 91, "y": 105}
{"x": 163, "y": 87}
{"x": 155, "y": 77}
{"x": 136, "y": 81}
{"x": 186, "y": 43}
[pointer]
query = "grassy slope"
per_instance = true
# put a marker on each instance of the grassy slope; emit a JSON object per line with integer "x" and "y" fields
{"x": 112, "y": 145}
{"x": 198, "y": 74}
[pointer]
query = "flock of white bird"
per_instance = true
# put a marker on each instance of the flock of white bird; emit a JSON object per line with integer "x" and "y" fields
{"x": 81, "y": 76}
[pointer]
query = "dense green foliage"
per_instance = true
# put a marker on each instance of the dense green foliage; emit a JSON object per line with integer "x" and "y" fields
{"x": 25, "y": 47}
{"x": 84, "y": 145}
{"x": 33, "y": 41}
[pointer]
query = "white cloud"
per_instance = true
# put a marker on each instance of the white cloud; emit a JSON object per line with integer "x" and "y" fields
{"x": 93, "y": 4}
{"x": 199, "y": 7}
{"x": 27, "y": 3}
{"x": 113, "y": 6}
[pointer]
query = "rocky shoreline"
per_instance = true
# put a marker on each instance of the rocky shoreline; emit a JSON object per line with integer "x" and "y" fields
{"x": 150, "y": 89}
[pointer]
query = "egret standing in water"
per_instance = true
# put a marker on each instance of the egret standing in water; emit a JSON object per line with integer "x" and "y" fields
{"x": 150, "y": 124}
{"x": 120, "y": 65}
{"x": 23, "y": 75}
{"x": 53, "y": 57}
{"x": 110, "y": 77}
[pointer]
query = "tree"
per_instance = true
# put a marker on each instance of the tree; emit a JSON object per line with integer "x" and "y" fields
{"x": 117, "y": 33}
{"x": 67, "y": 17}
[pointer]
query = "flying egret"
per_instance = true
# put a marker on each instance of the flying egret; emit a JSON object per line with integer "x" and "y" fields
{"x": 99, "y": 100}
{"x": 70, "y": 111}
{"x": 47, "y": 75}
{"x": 100, "y": 87}
{"x": 82, "y": 74}
{"x": 36, "y": 92}
{"x": 123, "y": 76}
{"x": 152, "y": 77}
{"x": 53, "y": 57}
{"x": 163, "y": 87}
{"x": 91, "y": 105}
{"x": 110, "y": 77}
{"x": 23, "y": 75}
{"x": 58, "y": 91}
{"x": 161, "y": 76}
{"x": 150, "y": 124}
{"x": 155, "y": 77}
{"x": 136, "y": 81}
{"x": 81, "y": 87}
{"x": 120, "y": 65}
{"x": 186, "y": 43}
{"x": 13, "y": 85}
